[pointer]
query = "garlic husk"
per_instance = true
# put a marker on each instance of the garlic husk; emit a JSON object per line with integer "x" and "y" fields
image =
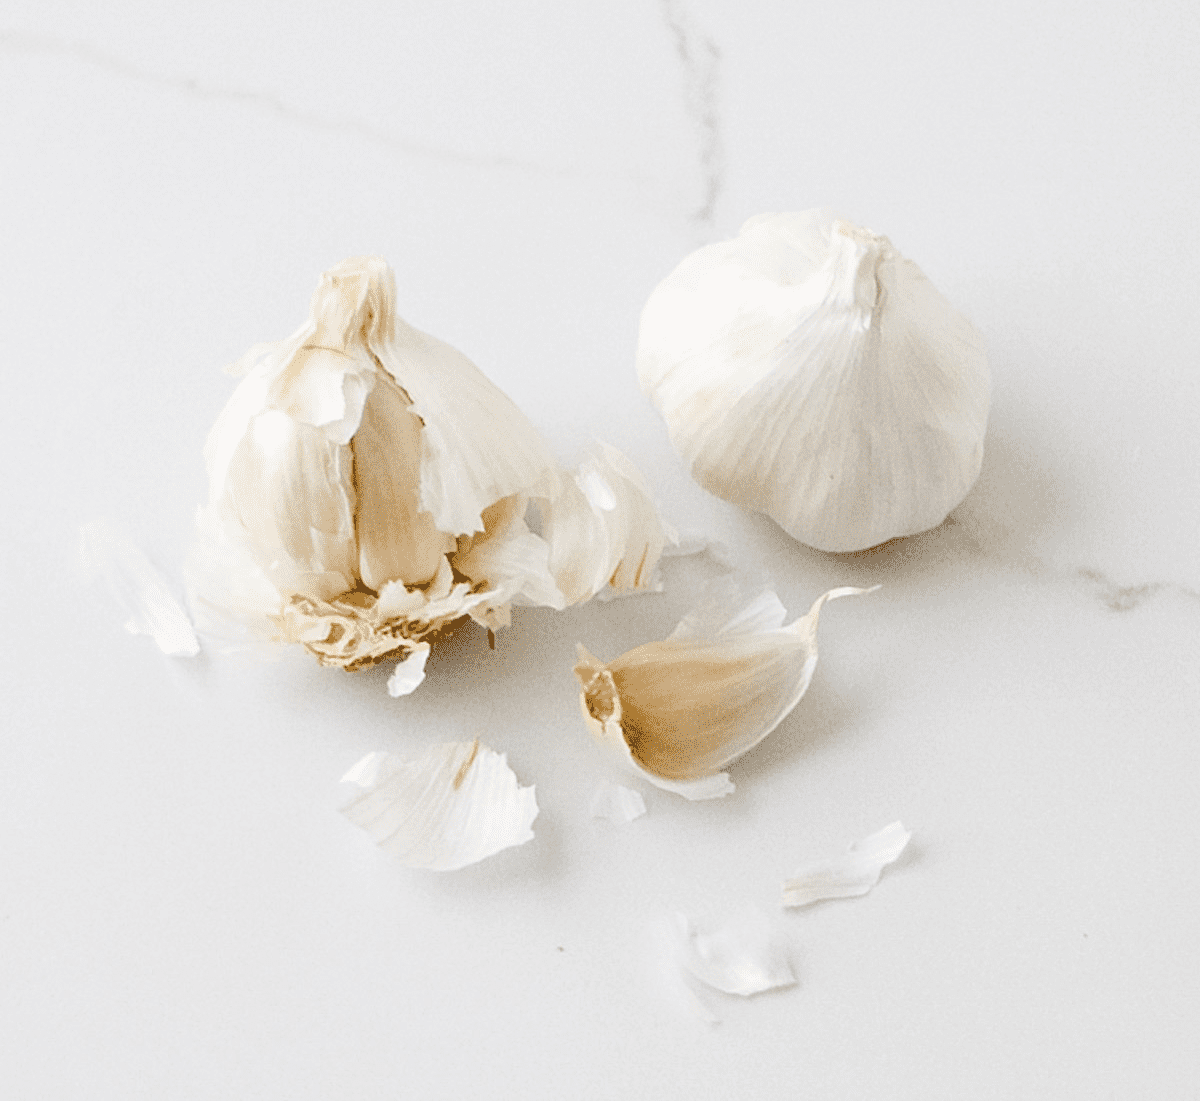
{"x": 678, "y": 711}
{"x": 744, "y": 955}
{"x": 369, "y": 490}
{"x": 144, "y": 593}
{"x": 807, "y": 370}
{"x": 456, "y": 805}
{"x": 617, "y": 803}
{"x": 850, "y": 875}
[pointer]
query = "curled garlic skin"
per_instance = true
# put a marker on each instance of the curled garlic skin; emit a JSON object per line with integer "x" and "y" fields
{"x": 679, "y": 711}
{"x": 368, "y": 491}
{"x": 807, "y": 370}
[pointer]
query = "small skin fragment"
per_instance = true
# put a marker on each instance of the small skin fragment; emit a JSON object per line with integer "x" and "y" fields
{"x": 141, "y": 589}
{"x": 410, "y": 672}
{"x": 456, "y": 805}
{"x": 851, "y": 875}
{"x": 744, "y": 956}
{"x": 618, "y": 804}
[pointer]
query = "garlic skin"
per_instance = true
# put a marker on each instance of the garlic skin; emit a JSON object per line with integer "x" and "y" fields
{"x": 850, "y": 875}
{"x": 678, "y": 711}
{"x": 368, "y": 490}
{"x": 807, "y": 370}
{"x": 108, "y": 553}
{"x": 459, "y": 803}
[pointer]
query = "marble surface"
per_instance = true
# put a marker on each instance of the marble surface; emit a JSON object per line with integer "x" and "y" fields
{"x": 183, "y": 913}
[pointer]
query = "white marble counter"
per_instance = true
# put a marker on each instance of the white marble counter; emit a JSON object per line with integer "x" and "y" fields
{"x": 183, "y": 914}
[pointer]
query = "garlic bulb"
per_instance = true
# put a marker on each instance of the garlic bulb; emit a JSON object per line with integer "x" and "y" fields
{"x": 678, "y": 711}
{"x": 807, "y": 370}
{"x": 369, "y": 488}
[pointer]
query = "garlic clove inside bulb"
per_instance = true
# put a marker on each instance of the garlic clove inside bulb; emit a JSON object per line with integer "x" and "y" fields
{"x": 396, "y": 539}
{"x": 680, "y": 710}
{"x": 807, "y": 370}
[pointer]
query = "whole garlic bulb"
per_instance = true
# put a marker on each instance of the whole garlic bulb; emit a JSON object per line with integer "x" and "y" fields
{"x": 807, "y": 370}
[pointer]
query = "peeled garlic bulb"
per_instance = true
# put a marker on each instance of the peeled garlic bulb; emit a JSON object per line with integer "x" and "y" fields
{"x": 807, "y": 370}
{"x": 369, "y": 486}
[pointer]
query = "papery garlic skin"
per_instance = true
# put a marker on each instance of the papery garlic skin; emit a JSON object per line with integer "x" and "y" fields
{"x": 107, "y": 552}
{"x": 679, "y": 711}
{"x": 807, "y": 370}
{"x": 456, "y": 805}
{"x": 850, "y": 875}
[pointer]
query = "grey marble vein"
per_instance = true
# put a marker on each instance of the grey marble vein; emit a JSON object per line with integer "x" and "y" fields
{"x": 21, "y": 42}
{"x": 701, "y": 60}
{"x": 1124, "y": 598}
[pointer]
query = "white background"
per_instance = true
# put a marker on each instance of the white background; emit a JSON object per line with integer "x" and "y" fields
{"x": 183, "y": 913}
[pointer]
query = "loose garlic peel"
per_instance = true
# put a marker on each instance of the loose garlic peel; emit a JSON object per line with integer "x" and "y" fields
{"x": 456, "y": 805}
{"x": 807, "y": 370}
{"x": 369, "y": 488}
{"x": 850, "y": 875}
{"x": 678, "y": 711}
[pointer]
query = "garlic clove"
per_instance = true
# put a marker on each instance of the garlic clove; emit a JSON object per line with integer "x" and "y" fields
{"x": 456, "y": 805}
{"x": 476, "y": 445}
{"x": 603, "y": 529}
{"x": 850, "y": 875}
{"x": 678, "y": 711}
{"x": 396, "y": 539}
{"x": 508, "y": 552}
{"x": 289, "y": 490}
{"x": 808, "y": 371}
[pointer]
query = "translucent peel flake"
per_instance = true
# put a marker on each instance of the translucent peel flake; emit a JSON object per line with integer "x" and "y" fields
{"x": 455, "y": 806}
{"x": 744, "y": 956}
{"x": 619, "y": 804}
{"x": 678, "y": 711}
{"x": 851, "y": 875}
{"x": 140, "y": 588}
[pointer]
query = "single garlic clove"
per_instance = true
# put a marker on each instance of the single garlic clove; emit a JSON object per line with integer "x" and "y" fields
{"x": 603, "y": 529}
{"x": 680, "y": 710}
{"x": 807, "y": 370}
{"x": 396, "y": 539}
